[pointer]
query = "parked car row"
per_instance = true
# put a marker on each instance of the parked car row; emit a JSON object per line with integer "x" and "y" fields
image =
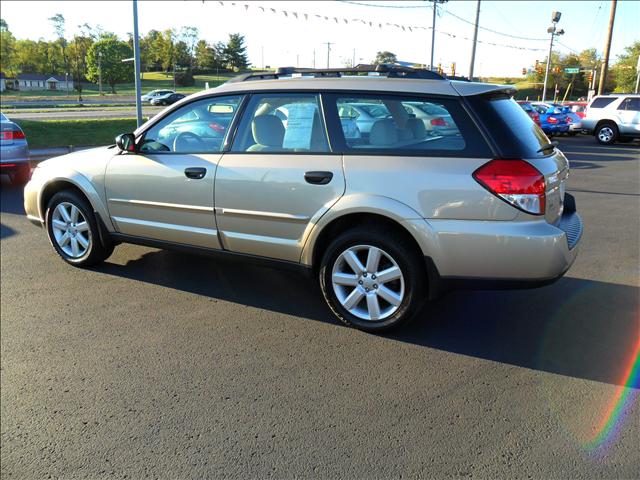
{"x": 162, "y": 97}
{"x": 610, "y": 118}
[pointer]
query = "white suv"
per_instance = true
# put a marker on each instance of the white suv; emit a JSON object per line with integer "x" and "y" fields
{"x": 613, "y": 118}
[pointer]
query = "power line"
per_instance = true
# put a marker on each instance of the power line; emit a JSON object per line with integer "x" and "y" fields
{"x": 494, "y": 31}
{"x": 383, "y": 6}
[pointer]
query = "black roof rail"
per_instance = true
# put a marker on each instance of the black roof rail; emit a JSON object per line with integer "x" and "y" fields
{"x": 384, "y": 69}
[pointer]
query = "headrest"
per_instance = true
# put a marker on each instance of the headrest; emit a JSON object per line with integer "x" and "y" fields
{"x": 267, "y": 130}
{"x": 383, "y": 133}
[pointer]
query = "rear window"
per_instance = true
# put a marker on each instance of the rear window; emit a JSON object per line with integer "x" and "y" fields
{"x": 516, "y": 135}
{"x": 601, "y": 102}
{"x": 406, "y": 125}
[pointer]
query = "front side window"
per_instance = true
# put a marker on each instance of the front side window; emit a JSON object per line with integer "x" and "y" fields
{"x": 198, "y": 127}
{"x": 632, "y": 104}
{"x": 402, "y": 124}
{"x": 278, "y": 122}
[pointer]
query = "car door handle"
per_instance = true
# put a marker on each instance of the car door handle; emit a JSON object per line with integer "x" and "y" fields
{"x": 195, "y": 172}
{"x": 318, "y": 178}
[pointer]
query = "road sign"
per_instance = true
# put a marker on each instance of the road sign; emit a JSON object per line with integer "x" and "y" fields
{"x": 572, "y": 70}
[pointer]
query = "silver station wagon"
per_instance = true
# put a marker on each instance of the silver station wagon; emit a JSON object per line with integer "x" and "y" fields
{"x": 451, "y": 186}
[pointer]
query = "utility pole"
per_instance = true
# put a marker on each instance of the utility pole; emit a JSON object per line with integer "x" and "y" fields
{"x": 555, "y": 18}
{"x": 638, "y": 74}
{"x": 314, "y": 58}
{"x": 262, "y": 57}
{"x": 607, "y": 49}
{"x": 328, "y": 44}
{"x": 475, "y": 41}
{"x": 136, "y": 63}
{"x": 433, "y": 29}
{"x": 353, "y": 62}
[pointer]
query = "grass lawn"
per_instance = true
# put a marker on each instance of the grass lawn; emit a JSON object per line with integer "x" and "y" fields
{"x": 62, "y": 133}
{"x": 150, "y": 81}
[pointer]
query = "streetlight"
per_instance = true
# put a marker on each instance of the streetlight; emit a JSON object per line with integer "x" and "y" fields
{"x": 555, "y": 18}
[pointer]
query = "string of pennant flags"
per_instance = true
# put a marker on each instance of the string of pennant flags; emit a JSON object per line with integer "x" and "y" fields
{"x": 367, "y": 23}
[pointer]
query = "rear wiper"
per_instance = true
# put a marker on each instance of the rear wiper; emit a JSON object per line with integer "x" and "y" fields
{"x": 548, "y": 146}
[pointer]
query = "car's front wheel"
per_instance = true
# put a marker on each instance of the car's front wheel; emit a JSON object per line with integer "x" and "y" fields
{"x": 73, "y": 230}
{"x": 373, "y": 279}
{"x": 607, "y": 133}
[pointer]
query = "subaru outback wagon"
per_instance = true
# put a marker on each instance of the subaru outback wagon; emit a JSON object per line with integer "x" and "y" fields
{"x": 261, "y": 168}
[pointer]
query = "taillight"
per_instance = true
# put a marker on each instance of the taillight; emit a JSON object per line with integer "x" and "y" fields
{"x": 536, "y": 118}
{"x": 516, "y": 182}
{"x": 580, "y": 114}
{"x": 438, "y": 122}
{"x": 552, "y": 120}
{"x": 12, "y": 135}
{"x": 216, "y": 127}
{"x": 569, "y": 120}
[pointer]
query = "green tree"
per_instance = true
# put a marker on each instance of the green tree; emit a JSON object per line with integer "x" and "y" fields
{"x": 58, "y": 23}
{"x": 114, "y": 71}
{"x": 235, "y": 52}
{"x": 7, "y": 50}
{"x": 624, "y": 70}
{"x": 204, "y": 56}
{"x": 385, "y": 57}
{"x": 182, "y": 57}
{"x": 77, "y": 57}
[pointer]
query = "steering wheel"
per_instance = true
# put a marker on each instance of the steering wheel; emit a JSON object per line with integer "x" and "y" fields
{"x": 182, "y": 142}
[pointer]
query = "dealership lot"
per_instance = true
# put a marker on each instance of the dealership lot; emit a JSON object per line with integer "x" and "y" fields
{"x": 163, "y": 364}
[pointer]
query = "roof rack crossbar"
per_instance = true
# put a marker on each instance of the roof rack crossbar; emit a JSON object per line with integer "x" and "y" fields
{"x": 385, "y": 69}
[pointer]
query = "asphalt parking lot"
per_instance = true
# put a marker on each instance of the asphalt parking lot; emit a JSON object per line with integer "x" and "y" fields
{"x": 165, "y": 365}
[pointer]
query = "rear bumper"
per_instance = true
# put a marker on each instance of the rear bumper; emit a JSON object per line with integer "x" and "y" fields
{"x": 501, "y": 254}
{"x": 547, "y": 128}
{"x": 10, "y": 167}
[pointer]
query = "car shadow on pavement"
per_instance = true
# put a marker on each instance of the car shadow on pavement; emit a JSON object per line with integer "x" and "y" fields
{"x": 578, "y": 328}
{"x": 11, "y": 196}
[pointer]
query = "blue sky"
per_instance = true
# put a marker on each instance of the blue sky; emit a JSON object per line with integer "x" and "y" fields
{"x": 288, "y": 39}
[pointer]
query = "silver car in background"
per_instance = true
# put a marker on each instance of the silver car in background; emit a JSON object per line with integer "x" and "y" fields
{"x": 14, "y": 152}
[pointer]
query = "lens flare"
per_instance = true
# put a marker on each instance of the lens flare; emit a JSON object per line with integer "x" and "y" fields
{"x": 620, "y": 403}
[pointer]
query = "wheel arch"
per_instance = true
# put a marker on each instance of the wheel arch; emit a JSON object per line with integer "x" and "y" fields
{"x": 360, "y": 210}
{"x": 79, "y": 184}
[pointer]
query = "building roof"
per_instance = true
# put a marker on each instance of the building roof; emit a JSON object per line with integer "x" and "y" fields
{"x": 38, "y": 76}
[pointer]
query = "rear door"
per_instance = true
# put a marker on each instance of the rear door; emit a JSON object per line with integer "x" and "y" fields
{"x": 279, "y": 178}
{"x": 629, "y": 114}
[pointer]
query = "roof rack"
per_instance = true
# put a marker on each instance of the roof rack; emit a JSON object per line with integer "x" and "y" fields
{"x": 384, "y": 69}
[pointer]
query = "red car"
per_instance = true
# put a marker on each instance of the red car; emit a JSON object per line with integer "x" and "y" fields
{"x": 579, "y": 108}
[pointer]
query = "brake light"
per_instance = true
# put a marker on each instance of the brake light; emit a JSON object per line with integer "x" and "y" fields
{"x": 514, "y": 181}
{"x": 552, "y": 120}
{"x": 438, "y": 122}
{"x": 569, "y": 120}
{"x": 12, "y": 135}
{"x": 536, "y": 118}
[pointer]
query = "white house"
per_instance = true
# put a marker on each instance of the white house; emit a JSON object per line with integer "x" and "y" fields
{"x": 35, "y": 81}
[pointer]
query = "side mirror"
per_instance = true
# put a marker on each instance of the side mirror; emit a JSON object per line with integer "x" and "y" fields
{"x": 126, "y": 142}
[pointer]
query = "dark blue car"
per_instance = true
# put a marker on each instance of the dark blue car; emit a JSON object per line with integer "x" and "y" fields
{"x": 552, "y": 120}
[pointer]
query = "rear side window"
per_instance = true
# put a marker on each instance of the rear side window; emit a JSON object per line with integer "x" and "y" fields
{"x": 601, "y": 102}
{"x": 515, "y": 134}
{"x": 284, "y": 122}
{"x": 632, "y": 104}
{"x": 405, "y": 125}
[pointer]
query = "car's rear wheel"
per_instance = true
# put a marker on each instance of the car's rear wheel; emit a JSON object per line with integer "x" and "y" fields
{"x": 606, "y": 133}
{"x": 373, "y": 279}
{"x": 22, "y": 176}
{"x": 73, "y": 230}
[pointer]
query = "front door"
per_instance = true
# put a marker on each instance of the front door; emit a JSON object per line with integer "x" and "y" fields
{"x": 279, "y": 177}
{"x": 165, "y": 190}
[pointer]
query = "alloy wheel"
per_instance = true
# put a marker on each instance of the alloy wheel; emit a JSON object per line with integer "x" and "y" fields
{"x": 605, "y": 134}
{"x": 368, "y": 282}
{"x": 71, "y": 230}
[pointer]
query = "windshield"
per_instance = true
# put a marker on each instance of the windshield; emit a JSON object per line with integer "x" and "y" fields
{"x": 511, "y": 127}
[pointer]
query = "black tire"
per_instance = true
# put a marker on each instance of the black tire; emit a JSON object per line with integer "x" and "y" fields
{"x": 606, "y": 133}
{"x": 402, "y": 251}
{"x": 96, "y": 251}
{"x": 22, "y": 176}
